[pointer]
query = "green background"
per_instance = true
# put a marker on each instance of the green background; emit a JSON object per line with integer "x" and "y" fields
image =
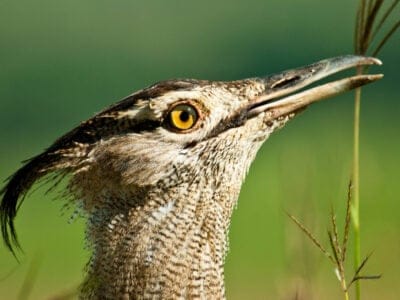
{"x": 62, "y": 61}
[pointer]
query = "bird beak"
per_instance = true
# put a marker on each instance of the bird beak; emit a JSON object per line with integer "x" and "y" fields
{"x": 279, "y": 99}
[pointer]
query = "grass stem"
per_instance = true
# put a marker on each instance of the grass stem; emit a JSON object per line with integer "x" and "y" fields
{"x": 356, "y": 187}
{"x": 367, "y": 26}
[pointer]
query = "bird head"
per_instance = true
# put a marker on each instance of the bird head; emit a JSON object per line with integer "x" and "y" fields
{"x": 177, "y": 131}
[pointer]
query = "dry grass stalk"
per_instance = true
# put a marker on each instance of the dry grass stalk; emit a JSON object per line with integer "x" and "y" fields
{"x": 347, "y": 220}
{"x": 337, "y": 256}
{"x": 313, "y": 239}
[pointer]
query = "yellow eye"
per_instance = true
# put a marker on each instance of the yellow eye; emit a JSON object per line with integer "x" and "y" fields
{"x": 183, "y": 117}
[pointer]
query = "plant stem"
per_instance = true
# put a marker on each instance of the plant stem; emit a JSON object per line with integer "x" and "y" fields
{"x": 356, "y": 187}
{"x": 346, "y": 295}
{"x": 344, "y": 287}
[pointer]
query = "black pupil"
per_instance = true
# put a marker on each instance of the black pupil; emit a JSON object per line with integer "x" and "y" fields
{"x": 184, "y": 116}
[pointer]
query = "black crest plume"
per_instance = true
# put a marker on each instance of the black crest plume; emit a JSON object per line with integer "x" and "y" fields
{"x": 68, "y": 153}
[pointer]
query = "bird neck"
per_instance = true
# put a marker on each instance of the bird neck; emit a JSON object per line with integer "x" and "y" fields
{"x": 164, "y": 241}
{"x": 166, "y": 238}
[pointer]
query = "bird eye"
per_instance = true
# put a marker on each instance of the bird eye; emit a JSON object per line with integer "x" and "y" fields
{"x": 183, "y": 117}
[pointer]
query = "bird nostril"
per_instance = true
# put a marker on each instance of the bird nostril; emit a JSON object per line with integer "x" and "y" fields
{"x": 286, "y": 82}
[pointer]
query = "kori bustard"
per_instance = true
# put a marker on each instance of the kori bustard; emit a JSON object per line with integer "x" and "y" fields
{"x": 158, "y": 175}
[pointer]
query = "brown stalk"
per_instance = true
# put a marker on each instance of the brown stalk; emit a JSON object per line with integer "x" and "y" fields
{"x": 312, "y": 238}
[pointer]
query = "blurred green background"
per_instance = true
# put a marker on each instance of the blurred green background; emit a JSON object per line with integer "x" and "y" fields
{"x": 62, "y": 61}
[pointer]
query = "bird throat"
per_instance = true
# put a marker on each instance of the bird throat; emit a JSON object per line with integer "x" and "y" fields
{"x": 165, "y": 246}
{"x": 166, "y": 239}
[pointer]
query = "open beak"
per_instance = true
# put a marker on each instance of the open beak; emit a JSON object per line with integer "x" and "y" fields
{"x": 279, "y": 99}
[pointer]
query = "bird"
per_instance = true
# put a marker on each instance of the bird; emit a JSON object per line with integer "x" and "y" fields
{"x": 158, "y": 174}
